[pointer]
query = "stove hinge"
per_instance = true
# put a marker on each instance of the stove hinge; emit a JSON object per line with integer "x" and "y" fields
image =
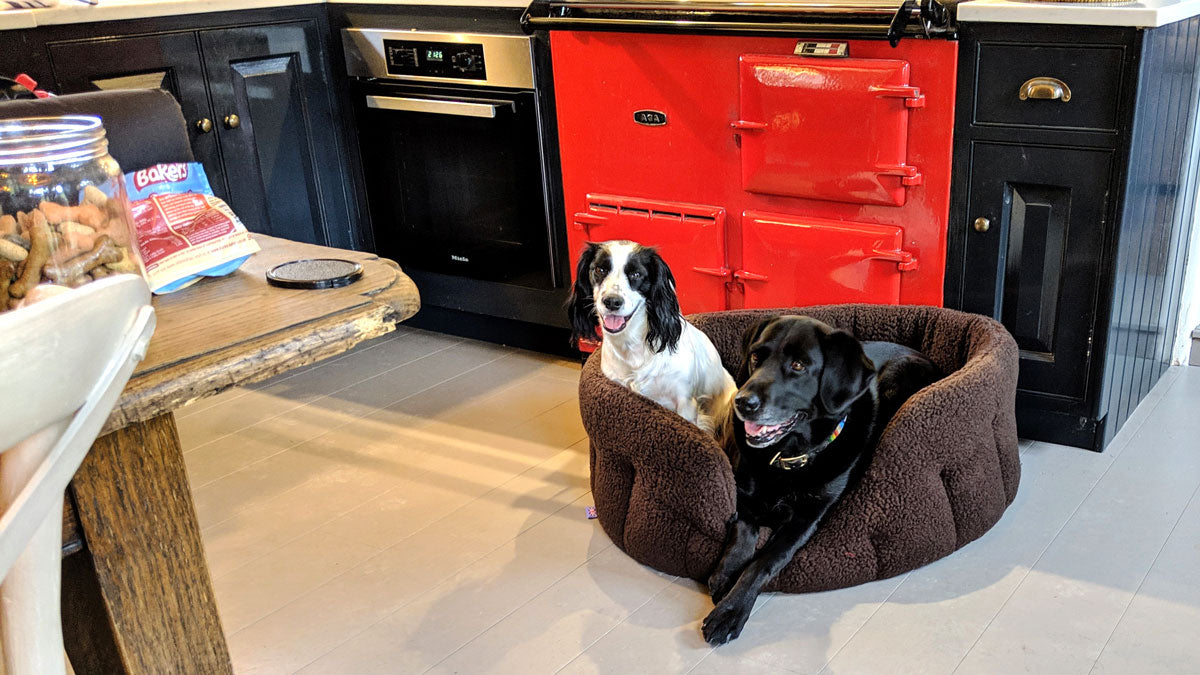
{"x": 932, "y": 16}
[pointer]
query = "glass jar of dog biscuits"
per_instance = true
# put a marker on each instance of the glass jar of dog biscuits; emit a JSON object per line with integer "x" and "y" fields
{"x": 64, "y": 217}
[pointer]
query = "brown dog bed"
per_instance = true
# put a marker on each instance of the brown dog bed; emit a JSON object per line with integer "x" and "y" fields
{"x": 945, "y": 469}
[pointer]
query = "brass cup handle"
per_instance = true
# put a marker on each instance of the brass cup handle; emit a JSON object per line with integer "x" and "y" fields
{"x": 1047, "y": 88}
{"x": 204, "y": 125}
{"x": 232, "y": 121}
{"x": 982, "y": 224}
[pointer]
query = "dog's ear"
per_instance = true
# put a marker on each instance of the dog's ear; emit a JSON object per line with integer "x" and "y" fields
{"x": 581, "y": 305}
{"x": 846, "y": 373}
{"x": 748, "y": 338}
{"x": 663, "y": 318}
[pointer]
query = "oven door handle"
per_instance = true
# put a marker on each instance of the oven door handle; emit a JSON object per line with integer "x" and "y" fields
{"x": 435, "y": 106}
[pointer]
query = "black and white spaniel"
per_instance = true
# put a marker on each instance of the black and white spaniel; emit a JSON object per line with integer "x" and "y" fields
{"x": 648, "y": 346}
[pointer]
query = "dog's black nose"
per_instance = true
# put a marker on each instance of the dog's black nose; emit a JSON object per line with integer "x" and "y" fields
{"x": 613, "y": 302}
{"x": 747, "y": 402}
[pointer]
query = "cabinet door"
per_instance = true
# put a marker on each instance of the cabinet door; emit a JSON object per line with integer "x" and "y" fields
{"x": 169, "y": 61}
{"x": 794, "y": 260}
{"x": 1034, "y": 265}
{"x": 689, "y": 237}
{"x": 270, "y": 93}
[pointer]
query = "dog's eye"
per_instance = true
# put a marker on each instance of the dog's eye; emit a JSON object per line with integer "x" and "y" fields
{"x": 635, "y": 276}
{"x": 797, "y": 367}
{"x": 753, "y": 361}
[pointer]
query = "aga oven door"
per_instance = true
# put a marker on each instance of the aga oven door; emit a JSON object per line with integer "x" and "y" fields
{"x": 455, "y": 183}
{"x": 827, "y": 128}
{"x": 793, "y": 260}
{"x": 689, "y": 237}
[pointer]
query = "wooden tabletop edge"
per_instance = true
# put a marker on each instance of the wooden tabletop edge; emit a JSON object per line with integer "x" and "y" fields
{"x": 169, "y": 386}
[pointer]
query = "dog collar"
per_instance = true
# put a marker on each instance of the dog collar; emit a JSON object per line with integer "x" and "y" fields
{"x": 788, "y": 463}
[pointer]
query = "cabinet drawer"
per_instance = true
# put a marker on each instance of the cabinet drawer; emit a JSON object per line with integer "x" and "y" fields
{"x": 1091, "y": 74}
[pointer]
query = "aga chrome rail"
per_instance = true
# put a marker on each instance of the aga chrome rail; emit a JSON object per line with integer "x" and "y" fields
{"x": 851, "y": 18}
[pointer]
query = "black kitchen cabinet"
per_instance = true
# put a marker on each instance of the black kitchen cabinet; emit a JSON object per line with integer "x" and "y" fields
{"x": 1035, "y": 245}
{"x": 1075, "y": 168}
{"x": 259, "y": 100}
{"x": 268, "y": 90}
{"x": 168, "y": 61}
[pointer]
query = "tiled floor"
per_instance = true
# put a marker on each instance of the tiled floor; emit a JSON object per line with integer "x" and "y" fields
{"x": 418, "y": 505}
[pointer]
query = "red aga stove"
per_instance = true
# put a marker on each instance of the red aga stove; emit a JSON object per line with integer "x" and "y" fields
{"x": 778, "y": 153}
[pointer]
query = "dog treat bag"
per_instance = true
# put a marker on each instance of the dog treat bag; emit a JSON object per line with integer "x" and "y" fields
{"x": 184, "y": 232}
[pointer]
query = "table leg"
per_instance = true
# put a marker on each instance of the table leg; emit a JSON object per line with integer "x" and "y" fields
{"x": 143, "y": 547}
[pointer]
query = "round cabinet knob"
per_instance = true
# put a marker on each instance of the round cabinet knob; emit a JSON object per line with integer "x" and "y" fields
{"x": 204, "y": 125}
{"x": 982, "y": 224}
{"x": 232, "y": 121}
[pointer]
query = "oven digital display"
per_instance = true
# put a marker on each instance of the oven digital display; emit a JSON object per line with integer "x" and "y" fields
{"x": 458, "y": 60}
{"x": 402, "y": 56}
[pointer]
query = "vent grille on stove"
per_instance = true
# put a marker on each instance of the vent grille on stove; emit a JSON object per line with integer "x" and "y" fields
{"x": 644, "y": 209}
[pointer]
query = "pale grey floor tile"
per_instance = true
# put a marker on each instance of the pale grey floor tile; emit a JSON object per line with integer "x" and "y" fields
{"x": 939, "y": 611}
{"x": 254, "y": 590}
{"x": 711, "y": 666}
{"x": 662, "y": 636}
{"x": 553, "y": 628}
{"x": 1063, "y": 612}
{"x": 316, "y": 622}
{"x": 307, "y": 437}
{"x": 1158, "y": 631}
{"x": 802, "y": 632}
{"x": 225, "y": 455}
{"x": 1139, "y": 415}
{"x": 418, "y": 503}
{"x": 445, "y": 592}
{"x": 351, "y": 470}
{"x": 410, "y": 352}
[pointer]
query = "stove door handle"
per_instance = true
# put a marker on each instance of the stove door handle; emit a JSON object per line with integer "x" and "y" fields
{"x": 744, "y": 125}
{"x": 913, "y": 98}
{"x": 906, "y": 261}
{"x": 743, "y": 275}
{"x": 585, "y": 221}
{"x": 722, "y": 272}
{"x": 909, "y": 174}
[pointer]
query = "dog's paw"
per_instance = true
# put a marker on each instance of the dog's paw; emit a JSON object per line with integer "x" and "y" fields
{"x": 724, "y": 623}
{"x": 718, "y": 585}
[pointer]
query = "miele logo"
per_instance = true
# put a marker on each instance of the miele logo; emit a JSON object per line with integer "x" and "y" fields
{"x": 650, "y": 118}
{"x": 162, "y": 173}
{"x": 459, "y": 258}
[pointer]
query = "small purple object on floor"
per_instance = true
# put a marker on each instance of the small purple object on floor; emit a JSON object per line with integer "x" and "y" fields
{"x": 590, "y": 512}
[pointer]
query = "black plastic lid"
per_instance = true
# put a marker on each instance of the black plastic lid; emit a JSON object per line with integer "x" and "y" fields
{"x": 315, "y": 273}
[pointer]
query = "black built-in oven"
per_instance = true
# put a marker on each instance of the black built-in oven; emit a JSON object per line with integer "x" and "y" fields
{"x": 452, "y": 158}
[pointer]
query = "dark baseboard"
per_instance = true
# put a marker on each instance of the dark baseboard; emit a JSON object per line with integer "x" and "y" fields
{"x": 1061, "y": 428}
{"x": 508, "y": 332}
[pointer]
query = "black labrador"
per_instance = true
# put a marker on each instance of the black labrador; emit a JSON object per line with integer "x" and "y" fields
{"x": 810, "y": 406}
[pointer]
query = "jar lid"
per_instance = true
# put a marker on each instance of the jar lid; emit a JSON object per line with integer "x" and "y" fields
{"x": 315, "y": 273}
{"x": 51, "y": 140}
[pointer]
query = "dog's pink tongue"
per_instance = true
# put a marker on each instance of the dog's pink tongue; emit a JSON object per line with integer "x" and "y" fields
{"x": 614, "y": 323}
{"x": 753, "y": 429}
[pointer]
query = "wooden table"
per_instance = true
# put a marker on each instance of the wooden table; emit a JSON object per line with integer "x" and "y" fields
{"x": 137, "y": 596}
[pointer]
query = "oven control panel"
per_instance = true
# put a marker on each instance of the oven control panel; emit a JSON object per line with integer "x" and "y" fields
{"x": 457, "y": 60}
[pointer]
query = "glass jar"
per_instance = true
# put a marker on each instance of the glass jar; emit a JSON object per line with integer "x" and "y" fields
{"x": 64, "y": 216}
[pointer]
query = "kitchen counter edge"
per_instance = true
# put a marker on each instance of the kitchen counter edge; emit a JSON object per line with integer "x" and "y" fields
{"x": 69, "y": 11}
